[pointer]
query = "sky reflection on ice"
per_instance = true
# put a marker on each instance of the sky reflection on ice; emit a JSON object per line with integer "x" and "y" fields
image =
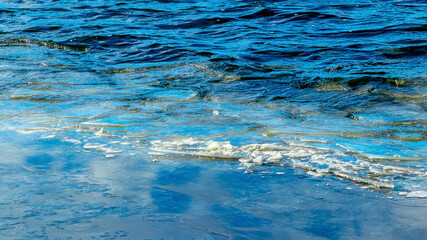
{"x": 84, "y": 194}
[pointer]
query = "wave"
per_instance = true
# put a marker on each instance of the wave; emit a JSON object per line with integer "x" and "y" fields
{"x": 49, "y": 44}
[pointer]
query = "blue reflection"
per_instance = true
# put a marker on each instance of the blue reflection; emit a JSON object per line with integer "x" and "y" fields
{"x": 42, "y": 161}
{"x": 170, "y": 201}
{"x": 238, "y": 218}
{"x": 179, "y": 175}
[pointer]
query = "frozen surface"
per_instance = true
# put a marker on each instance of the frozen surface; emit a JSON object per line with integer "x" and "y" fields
{"x": 51, "y": 189}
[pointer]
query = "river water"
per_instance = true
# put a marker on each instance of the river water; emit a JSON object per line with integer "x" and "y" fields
{"x": 213, "y": 119}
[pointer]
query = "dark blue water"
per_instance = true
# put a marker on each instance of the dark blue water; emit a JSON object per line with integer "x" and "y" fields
{"x": 213, "y": 119}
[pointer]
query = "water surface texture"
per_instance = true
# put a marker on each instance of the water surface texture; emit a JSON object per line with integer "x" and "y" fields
{"x": 213, "y": 119}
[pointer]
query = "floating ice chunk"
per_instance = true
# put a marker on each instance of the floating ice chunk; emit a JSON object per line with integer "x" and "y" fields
{"x": 215, "y": 146}
{"x": 417, "y": 194}
{"x": 101, "y": 132}
{"x": 315, "y": 174}
{"x": 93, "y": 145}
{"x": 109, "y": 150}
{"x": 375, "y": 170}
{"x": 182, "y": 142}
{"x": 275, "y": 157}
{"x": 258, "y": 160}
{"x": 75, "y": 141}
{"x": 250, "y": 168}
{"x": 33, "y": 130}
{"x": 316, "y": 161}
{"x": 48, "y": 136}
{"x": 101, "y": 147}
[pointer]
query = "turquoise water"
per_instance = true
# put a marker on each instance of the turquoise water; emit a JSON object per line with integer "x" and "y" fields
{"x": 213, "y": 119}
